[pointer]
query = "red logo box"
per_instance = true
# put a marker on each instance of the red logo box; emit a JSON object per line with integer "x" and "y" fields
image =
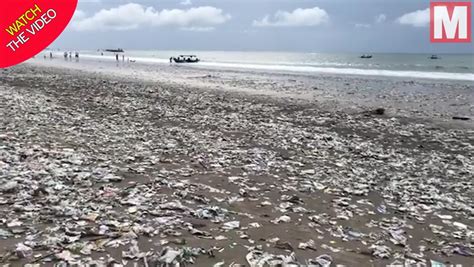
{"x": 27, "y": 27}
{"x": 450, "y": 22}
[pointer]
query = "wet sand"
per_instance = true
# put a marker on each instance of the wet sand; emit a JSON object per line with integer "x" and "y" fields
{"x": 401, "y": 97}
{"x": 93, "y": 160}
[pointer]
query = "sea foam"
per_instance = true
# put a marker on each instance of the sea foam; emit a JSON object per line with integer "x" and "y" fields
{"x": 305, "y": 69}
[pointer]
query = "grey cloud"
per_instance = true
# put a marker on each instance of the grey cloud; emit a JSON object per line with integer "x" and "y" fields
{"x": 296, "y": 18}
{"x": 133, "y": 16}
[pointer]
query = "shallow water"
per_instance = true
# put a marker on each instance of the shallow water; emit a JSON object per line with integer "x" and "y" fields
{"x": 448, "y": 66}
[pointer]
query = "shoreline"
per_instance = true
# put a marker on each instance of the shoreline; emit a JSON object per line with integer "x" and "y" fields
{"x": 101, "y": 163}
{"x": 355, "y": 69}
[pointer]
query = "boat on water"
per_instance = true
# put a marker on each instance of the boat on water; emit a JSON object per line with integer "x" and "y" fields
{"x": 119, "y": 50}
{"x": 366, "y": 56}
{"x": 434, "y": 57}
{"x": 186, "y": 59}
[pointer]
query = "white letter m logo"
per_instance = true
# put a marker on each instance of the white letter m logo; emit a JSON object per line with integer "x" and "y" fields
{"x": 450, "y": 21}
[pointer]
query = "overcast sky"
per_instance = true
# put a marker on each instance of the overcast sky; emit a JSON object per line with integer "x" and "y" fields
{"x": 254, "y": 25}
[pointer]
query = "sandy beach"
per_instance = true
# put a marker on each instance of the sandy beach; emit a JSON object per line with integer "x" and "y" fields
{"x": 105, "y": 162}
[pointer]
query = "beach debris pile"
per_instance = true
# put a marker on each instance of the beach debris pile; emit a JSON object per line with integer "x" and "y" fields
{"x": 114, "y": 172}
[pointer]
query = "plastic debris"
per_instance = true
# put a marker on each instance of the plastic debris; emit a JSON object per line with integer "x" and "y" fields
{"x": 231, "y": 225}
{"x": 382, "y": 252}
{"x": 116, "y": 172}
{"x": 282, "y": 219}
{"x": 307, "y": 245}
{"x": 23, "y": 251}
{"x": 9, "y": 187}
{"x": 322, "y": 261}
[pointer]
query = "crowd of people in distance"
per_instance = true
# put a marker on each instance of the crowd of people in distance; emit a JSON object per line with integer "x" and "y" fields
{"x": 68, "y": 55}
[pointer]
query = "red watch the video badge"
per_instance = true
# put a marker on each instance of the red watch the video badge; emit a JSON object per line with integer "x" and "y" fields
{"x": 29, "y": 26}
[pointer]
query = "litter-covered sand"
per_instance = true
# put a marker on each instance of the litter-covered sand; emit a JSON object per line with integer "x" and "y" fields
{"x": 96, "y": 169}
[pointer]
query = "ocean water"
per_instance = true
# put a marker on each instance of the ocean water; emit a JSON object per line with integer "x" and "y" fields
{"x": 448, "y": 66}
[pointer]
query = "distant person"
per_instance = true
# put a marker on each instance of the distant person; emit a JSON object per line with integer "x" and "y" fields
{"x": 65, "y": 55}
{"x": 101, "y": 53}
{"x": 51, "y": 55}
{"x": 171, "y": 60}
{"x": 123, "y": 58}
{"x": 77, "y": 55}
{"x": 117, "y": 57}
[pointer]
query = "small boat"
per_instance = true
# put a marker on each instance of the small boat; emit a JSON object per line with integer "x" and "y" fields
{"x": 366, "y": 56}
{"x": 119, "y": 50}
{"x": 434, "y": 57}
{"x": 186, "y": 59}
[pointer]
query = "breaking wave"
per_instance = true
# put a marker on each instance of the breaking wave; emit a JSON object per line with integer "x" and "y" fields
{"x": 347, "y": 71}
{"x": 308, "y": 69}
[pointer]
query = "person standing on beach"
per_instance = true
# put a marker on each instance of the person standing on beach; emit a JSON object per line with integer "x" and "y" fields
{"x": 51, "y": 55}
{"x": 123, "y": 58}
{"x": 117, "y": 57}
